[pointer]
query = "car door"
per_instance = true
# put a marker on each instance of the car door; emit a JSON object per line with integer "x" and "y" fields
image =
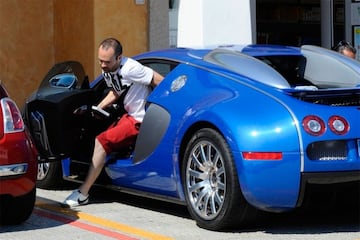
{"x": 53, "y": 113}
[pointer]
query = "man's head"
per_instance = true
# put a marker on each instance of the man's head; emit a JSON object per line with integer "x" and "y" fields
{"x": 110, "y": 51}
{"x": 346, "y": 49}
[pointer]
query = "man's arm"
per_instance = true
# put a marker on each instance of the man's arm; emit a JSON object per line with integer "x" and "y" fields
{"x": 157, "y": 78}
{"x": 110, "y": 98}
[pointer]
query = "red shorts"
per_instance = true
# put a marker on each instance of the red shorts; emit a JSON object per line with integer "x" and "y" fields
{"x": 119, "y": 135}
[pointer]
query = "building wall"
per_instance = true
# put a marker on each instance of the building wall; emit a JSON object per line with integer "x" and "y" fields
{"x": 26, "y": 45}
{"x": 74, "y": 32}
{"x": 36, "y": 34}
{"x": 125, "y": 20}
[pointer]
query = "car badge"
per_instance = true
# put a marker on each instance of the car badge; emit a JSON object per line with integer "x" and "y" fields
{"x": 178, "y": 83}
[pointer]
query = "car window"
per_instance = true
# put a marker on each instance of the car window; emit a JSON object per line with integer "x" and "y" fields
{"x": 291, "y": 67}
{"x": 160, "y": 66}
{"x": 65, "y": 80}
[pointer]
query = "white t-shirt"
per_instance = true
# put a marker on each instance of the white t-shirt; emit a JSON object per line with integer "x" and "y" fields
{"x": 138, "y": 77}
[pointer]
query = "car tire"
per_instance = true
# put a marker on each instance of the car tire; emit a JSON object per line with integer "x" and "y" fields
{"x": 15, "y": 210}
{"x": 211, "y": 184}
{"x": 49, "y": 175}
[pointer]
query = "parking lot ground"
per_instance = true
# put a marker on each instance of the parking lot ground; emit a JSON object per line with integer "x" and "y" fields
{"x": 114, "y": 215}
{"x": 91, "y": 223}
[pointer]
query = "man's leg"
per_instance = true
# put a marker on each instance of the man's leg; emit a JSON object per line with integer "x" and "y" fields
{"x": 81, "y": 196}
{"x": 97, "y": 163}
{"x": 121, "y": 135}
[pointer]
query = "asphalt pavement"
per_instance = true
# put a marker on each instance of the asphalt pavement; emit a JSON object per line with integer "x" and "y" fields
{"x": 113, "y": 215}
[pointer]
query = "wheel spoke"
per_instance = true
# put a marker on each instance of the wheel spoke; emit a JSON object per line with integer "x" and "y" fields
{"x": 201, "y": 196}
{"x": 220, "y": 171}
{"x": 197, "y": 174}
{"x": 203, "y": 202}
{"x": 221, "y": 186}
{"x": 220, "y": 175}
{"x": 42, "y": 170}
{"x": 209, "y": 154}
{"x": 207, "y": 205}
{"x": 197, "y": 163}
{"x": 213, "y": 204}
{"x": 218, "y": 198}
{"x": 198, "y": 187}
{"x": 203, "y": 154}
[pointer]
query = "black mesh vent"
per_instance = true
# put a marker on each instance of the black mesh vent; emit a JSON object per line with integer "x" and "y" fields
{"x": 327, "y": 151}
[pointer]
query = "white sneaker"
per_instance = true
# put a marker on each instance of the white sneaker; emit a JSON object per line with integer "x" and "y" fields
{"x": 76, "y": 198}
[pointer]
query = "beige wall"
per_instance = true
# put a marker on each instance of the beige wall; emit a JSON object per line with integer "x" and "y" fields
{"x": 74, "y": 32}
{"x": 124, "y": 20}
{"x": 26, "y": 45}
{"x": 35, "y": 34}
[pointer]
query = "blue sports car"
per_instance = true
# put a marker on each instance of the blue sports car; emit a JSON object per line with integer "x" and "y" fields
{"x": 230, "y": 132}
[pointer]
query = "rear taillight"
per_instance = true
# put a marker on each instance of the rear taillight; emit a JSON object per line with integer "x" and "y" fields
{"x": 12, "y": 118}
{"x": 314, "y": 125}
{"x": 338, "y": 125}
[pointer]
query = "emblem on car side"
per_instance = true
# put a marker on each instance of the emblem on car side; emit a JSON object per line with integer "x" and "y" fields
{"x": 178, "y": 83}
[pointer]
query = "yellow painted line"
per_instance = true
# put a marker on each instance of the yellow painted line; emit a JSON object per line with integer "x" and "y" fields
{"x": 102, "y": 222}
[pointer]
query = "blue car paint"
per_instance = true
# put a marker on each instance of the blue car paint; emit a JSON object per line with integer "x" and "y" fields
{"x": 232, "y": 122}
{"x": 255, "y": 118}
